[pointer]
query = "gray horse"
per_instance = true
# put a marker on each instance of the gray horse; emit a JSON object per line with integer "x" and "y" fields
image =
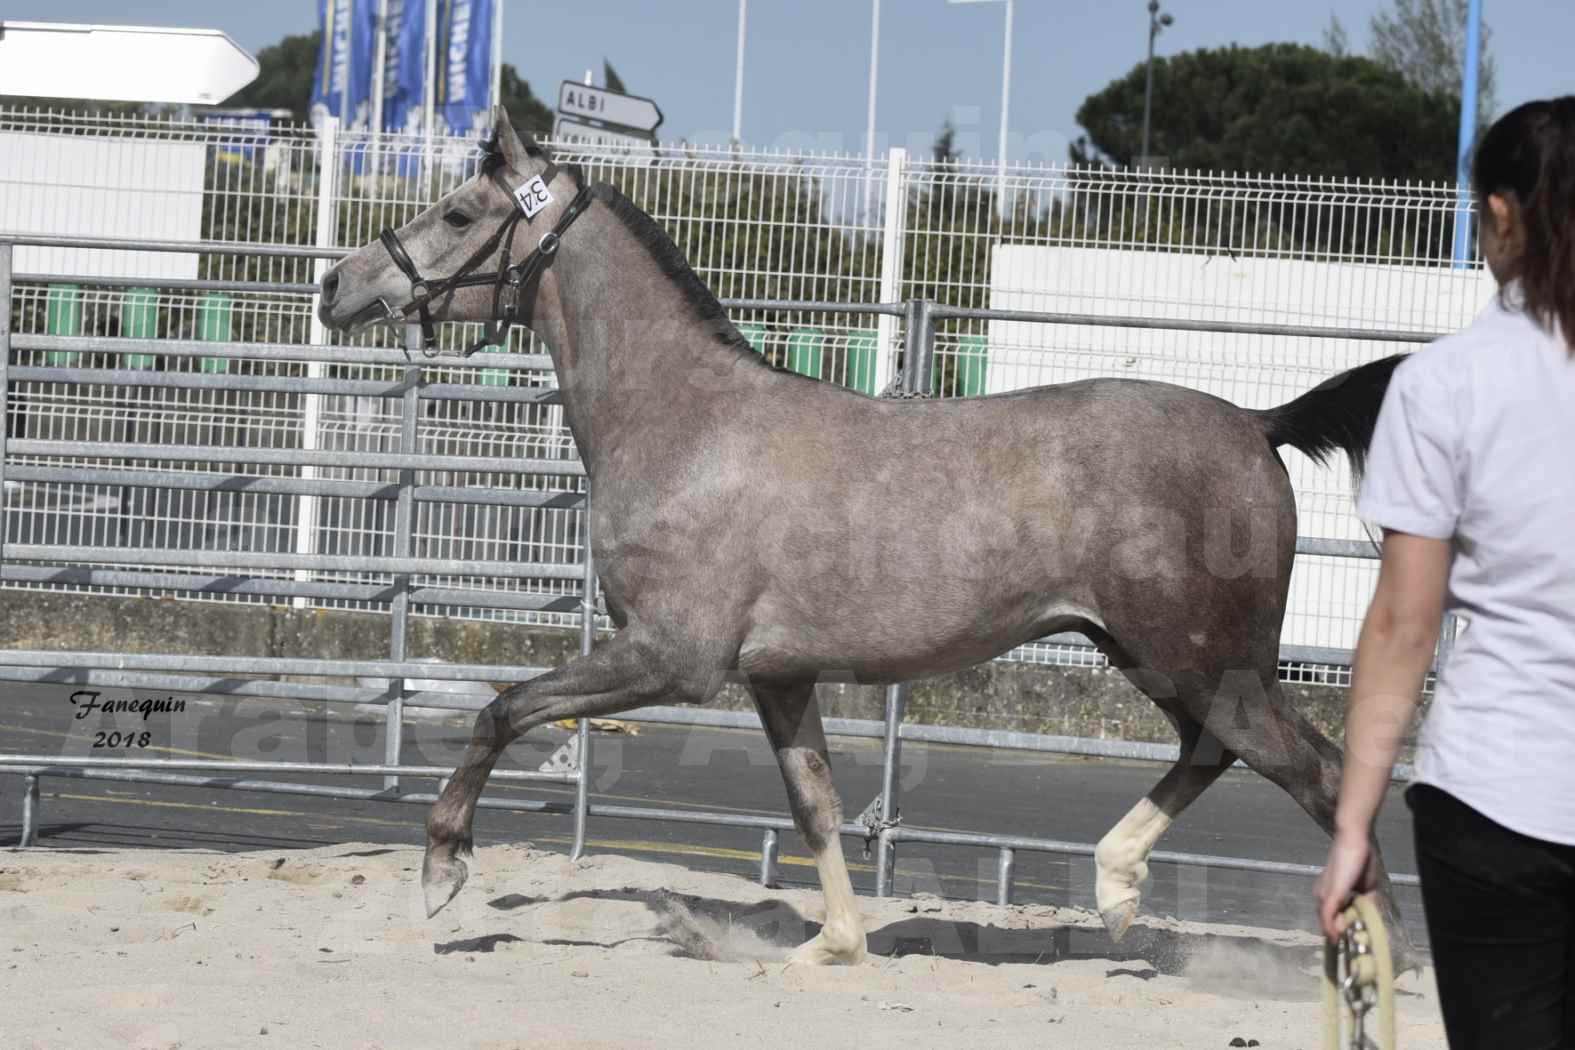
{"x": 756, "y": 525}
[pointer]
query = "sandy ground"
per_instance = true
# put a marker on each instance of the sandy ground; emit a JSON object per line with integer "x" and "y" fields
{"x": 327, "y": 948}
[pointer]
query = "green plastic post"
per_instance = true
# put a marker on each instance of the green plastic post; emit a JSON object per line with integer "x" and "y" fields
{"x": 63, "y": 316}
{"x": 804, "y": 352}
{"x": 862, "y": 347}
{"x": 139, "y": 319}
{"x": 755, "y": 334}
{"x": 973, "y": 365}
{"x": 215, "y": 324}
{"x": 493, "y": 376}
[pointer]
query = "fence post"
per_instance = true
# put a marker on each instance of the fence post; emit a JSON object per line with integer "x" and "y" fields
{"x": 918, "y": 358}
{"x": 306, "y": 508}
{"x": 582, "y": 784}
{"x": 918, "y": 369}
{"x": 404, "y": 547}
{"x": 1003, "y": 876}
{"x": 770, "y": 844}
{"x": 31, "y": 801}
{"x": 6, "y": 250}
{"x": 893, "y": 248}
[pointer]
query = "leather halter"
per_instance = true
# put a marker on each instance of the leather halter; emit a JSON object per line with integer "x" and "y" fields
{"x": 509, "y": 283}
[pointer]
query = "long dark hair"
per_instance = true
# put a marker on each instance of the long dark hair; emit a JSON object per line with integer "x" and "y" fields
{"x": 1530, "y": 153}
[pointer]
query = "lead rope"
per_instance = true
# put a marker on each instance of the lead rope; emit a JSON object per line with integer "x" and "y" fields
{"x": 1359, "y": 980}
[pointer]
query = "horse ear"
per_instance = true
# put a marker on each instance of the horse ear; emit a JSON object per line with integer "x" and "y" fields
{"x": 508, "y": 140}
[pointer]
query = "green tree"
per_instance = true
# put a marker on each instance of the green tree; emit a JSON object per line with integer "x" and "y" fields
{"x": 611, "y": 79}
{"x": 284, "y": 77}
{"x": 528, "y": 112}
{"x": 1425, "y": 42}
{"x": 1282, "y": 108}
{"x": 1334, "y": 39}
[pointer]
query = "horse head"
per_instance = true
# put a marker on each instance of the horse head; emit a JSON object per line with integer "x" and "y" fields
{"x": 456, "y": 261}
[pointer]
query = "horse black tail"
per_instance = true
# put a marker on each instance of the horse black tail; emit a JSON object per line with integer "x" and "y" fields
{"x": 1336, "y": 415}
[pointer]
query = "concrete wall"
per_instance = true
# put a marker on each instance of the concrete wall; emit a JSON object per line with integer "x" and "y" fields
{"x": 1023, "y": 697}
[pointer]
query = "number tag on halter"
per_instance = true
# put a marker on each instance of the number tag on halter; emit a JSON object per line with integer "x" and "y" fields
{"x": 533, "y": 197}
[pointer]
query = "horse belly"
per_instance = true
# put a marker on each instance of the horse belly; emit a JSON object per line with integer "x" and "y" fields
{"x": 898, "y": 641}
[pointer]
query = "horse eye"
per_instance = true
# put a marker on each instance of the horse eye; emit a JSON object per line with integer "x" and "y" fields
{"x": 457, "y": 219}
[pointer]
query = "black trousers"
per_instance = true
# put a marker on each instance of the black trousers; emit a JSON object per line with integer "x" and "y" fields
{"x": 1501, "y": 917}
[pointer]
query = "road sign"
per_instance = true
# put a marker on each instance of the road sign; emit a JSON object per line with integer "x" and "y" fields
{"x": 122, "y": 63}
{"x": 641, "y": 148}
{"x": 608, "y": 107}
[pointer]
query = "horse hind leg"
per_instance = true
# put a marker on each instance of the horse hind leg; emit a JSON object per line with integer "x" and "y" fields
{"x": 1121, "y": 858}
{"x": 1250, "y": 714}
{"x": 792, "y": 722}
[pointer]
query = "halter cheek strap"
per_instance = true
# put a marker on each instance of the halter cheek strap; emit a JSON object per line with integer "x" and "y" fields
{"x": 510, "y": 283}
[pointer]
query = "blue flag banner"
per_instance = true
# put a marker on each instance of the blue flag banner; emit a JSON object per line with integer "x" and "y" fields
{"x": 464, "y": 65}
{"x": 342, "y": 86}
{"x": 403, "y": 83}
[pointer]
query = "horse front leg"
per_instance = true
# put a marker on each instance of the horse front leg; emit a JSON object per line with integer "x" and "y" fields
{"x": 625, "y": 673}
{"x": 792, "y": 722}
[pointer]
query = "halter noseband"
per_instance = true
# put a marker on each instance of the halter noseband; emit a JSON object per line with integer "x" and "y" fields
{"x": 514, "y": 279}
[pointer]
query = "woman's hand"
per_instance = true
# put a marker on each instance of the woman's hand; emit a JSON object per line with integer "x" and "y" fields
{"x": 1349, "y": 870}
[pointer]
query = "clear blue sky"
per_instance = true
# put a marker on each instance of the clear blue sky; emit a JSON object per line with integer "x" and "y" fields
{"x": 807, "y": 63}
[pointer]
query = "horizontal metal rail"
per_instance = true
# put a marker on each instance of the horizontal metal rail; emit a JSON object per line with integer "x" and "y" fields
{"x": 33, "y": 766}
{"x": 292, "y": 352}
{"x": 133, "y": 377}
{"x": 959, "y": 736}
{"x": 261, "y": 688}
{"x": 294, "y": 457}
{"x": 1083, "y": 849}
{"x": 282, "y": 561}
{"x": 173, "y": 284}
{"x": 33, "y": 763}
{"x": 280, "y": 587}
{"x": 377, "y": 490}
{"x": 1176, "y": 324}
{"x": 270, "y": 665}
{"x": 286, "y": 251}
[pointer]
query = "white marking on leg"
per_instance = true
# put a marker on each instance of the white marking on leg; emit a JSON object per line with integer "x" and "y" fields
{"x": 842, "y": 938}
{"x": 1120, "y": 861}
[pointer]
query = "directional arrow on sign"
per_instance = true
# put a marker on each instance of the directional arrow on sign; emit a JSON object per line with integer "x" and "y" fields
{"x": 609, "y": 107}
{"x": 122, "y": 63}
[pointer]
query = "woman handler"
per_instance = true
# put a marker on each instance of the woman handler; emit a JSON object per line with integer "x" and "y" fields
{"x": 1471, "y": 475}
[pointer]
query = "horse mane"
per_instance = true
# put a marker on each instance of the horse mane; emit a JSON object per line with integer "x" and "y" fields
{"x": 670, "y": 260}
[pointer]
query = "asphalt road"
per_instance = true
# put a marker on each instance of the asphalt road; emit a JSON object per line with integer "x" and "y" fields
{"x": 945, "y": 787}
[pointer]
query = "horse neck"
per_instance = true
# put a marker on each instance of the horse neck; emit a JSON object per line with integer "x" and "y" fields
{"x": 629, "y": 348}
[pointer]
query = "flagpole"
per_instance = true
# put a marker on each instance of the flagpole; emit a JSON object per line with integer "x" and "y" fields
{"x": 344, "y": 88}
{"x": 379, "y": 67}
{"x": 497, "y": 53}
{"x": 429, "y": 81}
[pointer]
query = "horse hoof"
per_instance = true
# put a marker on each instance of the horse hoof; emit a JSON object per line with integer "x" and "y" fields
{"x": 441, "y": 878}
{"x": 1118, "y": 919}
{"x": 819, "y": 952}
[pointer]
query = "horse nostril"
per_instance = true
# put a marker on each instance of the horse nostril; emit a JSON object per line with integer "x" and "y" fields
{"x": 330, "y": 286}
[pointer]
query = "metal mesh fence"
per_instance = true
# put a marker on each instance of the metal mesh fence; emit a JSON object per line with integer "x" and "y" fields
{"x": 754, "y": 226}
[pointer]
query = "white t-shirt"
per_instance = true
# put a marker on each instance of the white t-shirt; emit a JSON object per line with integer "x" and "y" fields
{"x": 1476, "y": 443}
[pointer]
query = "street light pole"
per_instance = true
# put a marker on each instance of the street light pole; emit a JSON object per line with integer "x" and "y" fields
{"x": 1156, "y": 22}
{"x": 738, "y": 81}
{"x": 869, "y": 140}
